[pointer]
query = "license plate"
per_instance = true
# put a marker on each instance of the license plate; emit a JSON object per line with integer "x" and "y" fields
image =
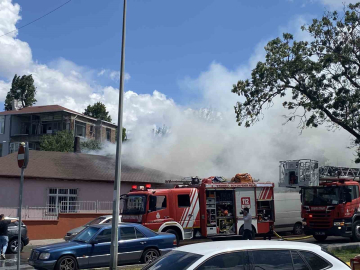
{"x": 319, "y": 233}
{"x": 31, "y": 263}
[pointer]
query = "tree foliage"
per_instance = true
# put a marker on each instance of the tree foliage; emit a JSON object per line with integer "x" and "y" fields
{"x": 98, "y": 110}
{"x": 124, "y": 136}
{"x": 91, "y": 145}
{"x": 22, "y": 89}
{"x": 62, "y": 141}
{"x": 322, "y": 76}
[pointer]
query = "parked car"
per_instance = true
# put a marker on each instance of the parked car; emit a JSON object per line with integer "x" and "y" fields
{"x": 257, "y": 255}
{"x": 91, "y": 248}
{"x": 13, "y": 231}
{"x": 100, "y": 220}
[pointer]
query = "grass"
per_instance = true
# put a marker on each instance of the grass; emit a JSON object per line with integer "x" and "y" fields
{"x": 346, "y": 255}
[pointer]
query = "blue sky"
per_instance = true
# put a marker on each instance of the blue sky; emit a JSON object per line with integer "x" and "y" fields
{"x": 166, "y": 40}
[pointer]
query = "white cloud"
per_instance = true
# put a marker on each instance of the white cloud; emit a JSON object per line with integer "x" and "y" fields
{"x": 113, "y": 74}
{"x": 195, "y": 146}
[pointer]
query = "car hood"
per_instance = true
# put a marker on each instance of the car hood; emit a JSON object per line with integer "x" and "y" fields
{"x": 77, "y": 230}
{"x": 60, "y": 246}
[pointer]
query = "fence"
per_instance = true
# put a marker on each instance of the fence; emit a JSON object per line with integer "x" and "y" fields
{"x": 50, "y": 212}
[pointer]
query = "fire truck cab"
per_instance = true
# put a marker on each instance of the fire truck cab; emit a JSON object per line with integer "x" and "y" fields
{"x": 202, "y": 210}
{"x": 330, "y": 197}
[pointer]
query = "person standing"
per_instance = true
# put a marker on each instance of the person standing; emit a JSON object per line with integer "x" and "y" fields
{"x": 247, "y": 235}
{"x": 4, "y": 239}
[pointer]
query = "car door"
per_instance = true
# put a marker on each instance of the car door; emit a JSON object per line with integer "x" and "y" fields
{"x": 100, "y": 252}
{"x": 131, "y": 247}
{"x": 237, "y": 260}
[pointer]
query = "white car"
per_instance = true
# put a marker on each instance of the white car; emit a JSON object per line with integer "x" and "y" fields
{"x": 248, "y": 255}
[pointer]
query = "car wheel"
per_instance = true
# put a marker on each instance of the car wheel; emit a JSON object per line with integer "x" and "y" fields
{"x": 320, "y": 237}
{"x": 13, "y": 246}
{"x": 176, "y": 235}
{"x": 150, "y": 255}
{"x": 298, "y": 229}
{"x": 66, "y": 263}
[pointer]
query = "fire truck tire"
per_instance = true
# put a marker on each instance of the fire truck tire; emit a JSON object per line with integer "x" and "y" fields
{"x": 356, "y": 231}
{"x": 320, "y": 237}
{"x": 176, "y": 235}
{"x": 150, "y": 255}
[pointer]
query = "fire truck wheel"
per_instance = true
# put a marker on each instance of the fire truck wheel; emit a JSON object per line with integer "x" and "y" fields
{"x": 320, "y": 237}
{"x": 356, "y": 231}
{"x": 150, "y": 255}
{"x": 176, "y": 235}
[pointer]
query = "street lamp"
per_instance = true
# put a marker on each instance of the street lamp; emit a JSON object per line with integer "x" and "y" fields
{"x": 116, "y": 196}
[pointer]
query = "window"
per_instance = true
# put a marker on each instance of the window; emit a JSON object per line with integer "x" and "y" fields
{"x": 233, "y": 260}
{"x": 108, "y": 134}
{"x": 354, "y": 191}
{"x": 80, "y": 129}
{"x": 127, "y": 233}
{"x": 86, "y": 234}
{"x": 104, "y": 236}
{"x": 14, "y": 147}
{"x": 63, "y": 199}
{"x": 271, "y": 259}
{"x": 298, "y": 262}
{"x": 1, "y": 149}
{"x": 92, "y": 130}
{"x": 184, "y": 200}
{"x": 183, "y": 261}
{"x": 315, "y": 261}
{"x": 157, "y": 203}
{"x": 139, "y": 234}
{"x": 2, "y": 124}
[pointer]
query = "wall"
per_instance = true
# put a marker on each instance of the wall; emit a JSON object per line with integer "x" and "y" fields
{"x": 56, "y": 229}
{"x": 5, "y": 138}
{"x": 35, "y": 191}
{"x": 15, "y": 125}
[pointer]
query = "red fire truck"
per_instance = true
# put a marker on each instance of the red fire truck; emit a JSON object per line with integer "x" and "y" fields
{"x": 329, "y": 196}
{"x": 203, "y": 209}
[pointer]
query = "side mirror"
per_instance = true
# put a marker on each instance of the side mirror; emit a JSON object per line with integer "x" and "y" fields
{"x": 94, "y": 242}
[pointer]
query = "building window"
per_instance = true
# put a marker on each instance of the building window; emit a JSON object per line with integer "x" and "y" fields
{"x": 2, "y": 124}
{"x": 63, "y": 199}
{"x": 108, "y": 134}
{"x": 14, "y": 147}
{"x": 80, "y": 129}
{"x": 92, "y": 131}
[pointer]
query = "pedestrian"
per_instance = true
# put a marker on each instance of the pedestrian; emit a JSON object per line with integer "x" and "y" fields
{"x": 4, "y": 240}
{"x": 247, "y": 235}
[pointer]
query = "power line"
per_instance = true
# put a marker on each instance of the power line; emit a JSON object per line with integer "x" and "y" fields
{"x": 36, "y": 19}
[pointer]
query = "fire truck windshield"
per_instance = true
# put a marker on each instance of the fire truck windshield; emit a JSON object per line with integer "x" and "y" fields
{"x": 321, "y": 196}
{"x": 134, "y": 205}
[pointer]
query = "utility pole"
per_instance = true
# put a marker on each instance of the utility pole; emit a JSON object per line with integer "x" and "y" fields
{"x": 117, "y": 182}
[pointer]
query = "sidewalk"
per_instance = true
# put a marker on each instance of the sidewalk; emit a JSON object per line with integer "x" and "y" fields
{"x": 45, "y": 242}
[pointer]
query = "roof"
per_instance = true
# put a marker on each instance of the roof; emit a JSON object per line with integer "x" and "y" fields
{"x": 47, "y": 109}
{"x": 208, "y": 248}
{"x": 78, "y": 166}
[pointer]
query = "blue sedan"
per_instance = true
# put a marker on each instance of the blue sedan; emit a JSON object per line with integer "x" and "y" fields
{"x": 91, "y": 248}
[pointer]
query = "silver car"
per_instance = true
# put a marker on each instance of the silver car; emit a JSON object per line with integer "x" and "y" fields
{"x": 100, "y": 220}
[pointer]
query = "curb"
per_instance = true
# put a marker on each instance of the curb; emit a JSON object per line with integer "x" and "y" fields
{"x": 132, "y": 266}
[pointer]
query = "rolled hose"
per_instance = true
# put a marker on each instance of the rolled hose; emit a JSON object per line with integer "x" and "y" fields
{"x": 292, "y": 238}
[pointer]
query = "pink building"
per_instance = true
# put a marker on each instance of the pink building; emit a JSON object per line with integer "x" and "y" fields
{"x": 54, "y": 179}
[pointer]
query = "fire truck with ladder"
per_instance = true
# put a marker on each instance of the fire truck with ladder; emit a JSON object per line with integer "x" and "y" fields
{"x": 201, "y": 208}
{"x": 330, "y": 201}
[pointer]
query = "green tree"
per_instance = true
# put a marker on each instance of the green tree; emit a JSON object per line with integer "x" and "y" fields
{"x": 124, "y": 137}
{"x": 22, "y": 89}
{"x": 62, "y": 141}
{"x": 322, "y": 77}
{"x": 91, "y": 145}
{"x": 98, "y": 110}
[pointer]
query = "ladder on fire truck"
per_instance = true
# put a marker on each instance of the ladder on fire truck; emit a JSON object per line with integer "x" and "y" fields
{"x": 306, "y": 172}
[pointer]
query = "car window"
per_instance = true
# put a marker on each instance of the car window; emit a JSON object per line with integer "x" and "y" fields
{"x": 95, "y": 221}
{"x": 107, "y": 221}
{"x": 174, "y": 260}
{"x": 298, "y": 262}
{"x": 271, "y": 259}
{"x": 233, "y": 260}
{"x": 127, "y": 233}
{"x": 104, "y": 236}
{"x": 139, "y": 234}
{"x": 86, "y": 234}
{"x": 184, "y": 200}
{"x": 157, "y": 203}
{"x": 315, "y": 261}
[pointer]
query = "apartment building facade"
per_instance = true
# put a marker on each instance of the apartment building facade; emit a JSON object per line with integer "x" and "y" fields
{"x": 31, "y": 123}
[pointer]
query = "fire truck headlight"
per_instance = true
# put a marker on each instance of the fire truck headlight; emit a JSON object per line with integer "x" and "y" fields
{"x": 339, "y": 223}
